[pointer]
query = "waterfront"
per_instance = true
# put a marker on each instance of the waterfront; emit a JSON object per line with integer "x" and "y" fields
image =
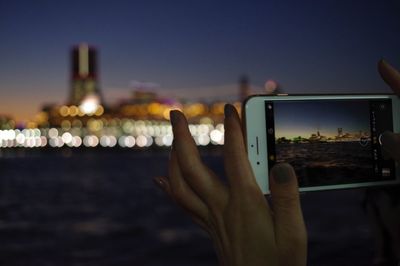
{"x": 99, "y": 206}
{"x": 328, "y": 163}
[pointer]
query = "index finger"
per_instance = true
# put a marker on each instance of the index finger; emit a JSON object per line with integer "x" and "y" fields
{"x": 196, "y": 174}
{"x": 390, "y": 75}
{"x": 237, "y": 165}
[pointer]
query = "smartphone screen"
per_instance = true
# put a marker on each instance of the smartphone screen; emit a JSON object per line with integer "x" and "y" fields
{"x": 330, "y": 142}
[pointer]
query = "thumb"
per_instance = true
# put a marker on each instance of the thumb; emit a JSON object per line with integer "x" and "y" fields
{"x": 391, "y": 144}
{"x": 284, "y": 189}
{"x": 288, "y": 217}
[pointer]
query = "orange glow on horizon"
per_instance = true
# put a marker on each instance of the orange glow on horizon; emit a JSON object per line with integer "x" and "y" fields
{"x": 19, "y": 113}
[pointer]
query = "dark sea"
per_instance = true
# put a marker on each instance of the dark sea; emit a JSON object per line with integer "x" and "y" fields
{"x": 319, "y": 163}
{"x": 100, "y": 207}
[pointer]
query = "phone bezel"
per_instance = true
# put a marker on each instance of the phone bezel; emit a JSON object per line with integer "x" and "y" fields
{"x": 256, "y": 137}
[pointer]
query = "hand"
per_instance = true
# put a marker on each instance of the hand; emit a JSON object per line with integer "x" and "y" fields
{"x": 244, "y": 228}
{"x": 383, "y": 205}
{"x": 390, "y": 141}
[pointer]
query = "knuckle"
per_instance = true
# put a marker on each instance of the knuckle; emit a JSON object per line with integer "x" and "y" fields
{"x": 287, "y": 201}
{"x": 251, "y": 192}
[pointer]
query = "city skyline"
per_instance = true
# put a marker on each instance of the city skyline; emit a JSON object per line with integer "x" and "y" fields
{"x": 194, "y": 49}
{"x": 294, "y": 119}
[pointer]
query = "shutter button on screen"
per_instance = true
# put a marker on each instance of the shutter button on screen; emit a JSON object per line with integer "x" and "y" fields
{"x": 380, "y": 139}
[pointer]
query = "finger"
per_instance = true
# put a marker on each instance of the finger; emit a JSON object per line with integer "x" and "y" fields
{"x": 390, "y": 75}
{"x": 390, "y": 217}
{"x": 181, "y": 191}
{"x": 391, "y": 144}
{"x": 237, "y": 165}
{"x": 196, "y": 174}
{"x": 285, "y": 200}
{"x": 181, "y": 200}
{"x": 377, "y": 228}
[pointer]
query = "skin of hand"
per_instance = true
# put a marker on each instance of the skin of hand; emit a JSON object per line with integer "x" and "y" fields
{"x": 244, "y": 228}
{"x": 390, "y": 141}
{"x": 383, "y": 204}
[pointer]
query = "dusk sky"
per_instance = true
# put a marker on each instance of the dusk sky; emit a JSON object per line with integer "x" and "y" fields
{"x": 194, "y": 49}
{"x": 293, "y": 119}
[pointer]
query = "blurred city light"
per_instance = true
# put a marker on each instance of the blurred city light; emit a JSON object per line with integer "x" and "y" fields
{"x": 89, "y": 105}
{"x": 127, "y": 134}
{"x": 139, "y": 122}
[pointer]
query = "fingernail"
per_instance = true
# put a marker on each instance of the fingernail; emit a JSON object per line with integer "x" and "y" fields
{"x": 229, "y": 110}
{"x": 174, "y": 117}
{"x": 282, "y": 173}
{"x": 160, "y": 182}
{"x": 385, "y": 63}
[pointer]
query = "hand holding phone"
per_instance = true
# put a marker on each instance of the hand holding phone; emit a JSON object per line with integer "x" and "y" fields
{"x": 383, "y": 205}
{"x": 332, "y": 141}
{"x": 390, "y": 140}
{"x": 236, "y": 215}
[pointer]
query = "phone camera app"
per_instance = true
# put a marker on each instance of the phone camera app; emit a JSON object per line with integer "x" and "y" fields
{"x": 331, "y": 142}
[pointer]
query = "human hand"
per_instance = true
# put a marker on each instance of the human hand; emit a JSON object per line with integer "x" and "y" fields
{"x": 383, "y": 204}
{"x": 390, "y": 140}
{"x": 244, "y": 228}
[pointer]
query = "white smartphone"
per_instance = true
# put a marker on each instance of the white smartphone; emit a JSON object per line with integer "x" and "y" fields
{"x": 332, "y": 141}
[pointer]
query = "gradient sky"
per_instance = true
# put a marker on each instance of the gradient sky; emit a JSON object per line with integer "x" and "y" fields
{"x": 293, "y": 119}
{"x": 195, "y": 49}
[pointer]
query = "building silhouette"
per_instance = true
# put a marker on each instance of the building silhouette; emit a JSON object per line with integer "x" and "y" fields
{"x": 84, "y": 74}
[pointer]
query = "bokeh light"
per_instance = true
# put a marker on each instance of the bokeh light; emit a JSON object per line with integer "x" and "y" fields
{"x": 90, "y": 104}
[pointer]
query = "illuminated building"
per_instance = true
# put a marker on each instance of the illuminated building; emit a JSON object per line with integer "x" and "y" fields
{"x": 84, "y": 75}
{"x": 144, "y": 96}
{"x": 6, "y": 122}
{"x": 140, "y": 121}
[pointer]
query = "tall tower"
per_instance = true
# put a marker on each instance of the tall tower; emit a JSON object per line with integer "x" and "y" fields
{"x": 84, "y": 77}
{"x": 244, "y": 88}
